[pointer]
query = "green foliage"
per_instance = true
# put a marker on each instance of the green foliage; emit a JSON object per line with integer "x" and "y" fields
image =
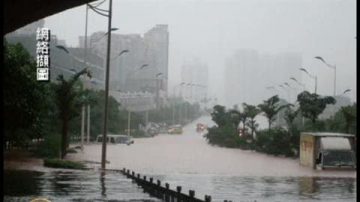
{"x": 234, "y": 116}
{"x": 179, "y": 111}
{"x": 225, "y": 136}
{"x": 290, "y": 115}
{"x": 312, "y": 105}
{"x": 219, "y": 115}
{"x": 344, "y": 121}
{"x": 270, "y": 108}
{"x": 68, "y": 103}
{"x": 349, "y": 114}
{"x": 50, "y": 147}
{"x": 117, "y": 119}
{"x": 274, "y": 141}
{"x": 138, "y": 133}
{"x": 251, "y": 111}
{"x": 59, "y": 163}
{"x": 26, "y": 101}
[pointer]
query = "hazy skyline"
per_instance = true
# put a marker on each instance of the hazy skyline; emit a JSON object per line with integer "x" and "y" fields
{"x": 213, "y": 30}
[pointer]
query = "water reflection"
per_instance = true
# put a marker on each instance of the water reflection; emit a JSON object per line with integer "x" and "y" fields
{"x": 266, "y": 188}
{"x": 71, "y": 186}
{"x": 22, "y": 183}
{"x": 102, "y": 183}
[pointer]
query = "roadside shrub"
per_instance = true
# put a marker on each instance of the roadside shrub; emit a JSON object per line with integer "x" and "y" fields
{"x": 71, "y": 151}
{"x": 58, "y": 163}
{"x": 138, "y": 133}
{"x": 50, "y": 147}
{"x": 275, "y": 141}
{"x": 226, "y": 136}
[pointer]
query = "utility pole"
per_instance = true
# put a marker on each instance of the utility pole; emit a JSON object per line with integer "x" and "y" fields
{"x": 85, "y": 58}
{"x": 129, "y": 122}
{"x": 103, "y": 154}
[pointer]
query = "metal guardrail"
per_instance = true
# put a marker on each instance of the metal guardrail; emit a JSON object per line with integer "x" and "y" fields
{"x": 160, "y": 192}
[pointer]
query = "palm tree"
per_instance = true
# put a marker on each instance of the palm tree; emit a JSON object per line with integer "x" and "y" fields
{"x": 251, "y": 112}
{"x": 66, "y": 96}
{"x": 270, "y": 108}
{"x": 290, "y": 115}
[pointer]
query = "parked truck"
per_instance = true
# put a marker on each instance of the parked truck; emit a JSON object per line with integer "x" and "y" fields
{"x": 327, "y": 150}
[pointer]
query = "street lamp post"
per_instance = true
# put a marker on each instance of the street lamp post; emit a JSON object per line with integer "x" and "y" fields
{"x": 311, "y": 76}
{"x": 157, "y": 89}
{"x": 129, "y": 111}
{"x": 331, "y": 66}
{"x": 104, "y": 139}
{"x": 87, "y": 82}
{"x": 85, "y": 60}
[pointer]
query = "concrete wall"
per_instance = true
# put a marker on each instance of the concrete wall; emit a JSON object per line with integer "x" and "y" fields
{"x": 307, "y": 150}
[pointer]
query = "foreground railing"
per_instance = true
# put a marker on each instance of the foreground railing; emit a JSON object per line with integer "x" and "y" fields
{"x": 160, "y": 192}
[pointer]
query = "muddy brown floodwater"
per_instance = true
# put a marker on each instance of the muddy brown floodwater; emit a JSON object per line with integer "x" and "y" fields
{"x": 188, "y": 160}
{"x": 185, "y": 160}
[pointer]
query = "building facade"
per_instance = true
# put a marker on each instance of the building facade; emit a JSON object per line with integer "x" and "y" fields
{"x": 194, "y": 75}
{"x": 61, "y": 63}
{"x": 248, "y": 73}
{"x": 144, "y": 68}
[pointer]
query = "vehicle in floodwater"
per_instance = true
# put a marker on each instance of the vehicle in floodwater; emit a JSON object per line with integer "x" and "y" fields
{"x": 116, "y": 139}
{"x": 175, "y": 129}
{"x": 327, "y": 151}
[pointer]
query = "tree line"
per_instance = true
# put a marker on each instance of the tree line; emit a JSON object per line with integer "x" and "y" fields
{"x": 51, "y": 110}
{"x": 238, "y": 128}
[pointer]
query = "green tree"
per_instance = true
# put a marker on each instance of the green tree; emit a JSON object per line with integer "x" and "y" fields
{"x": 26, "y": 102}
{"x": 349, "y": 113}
{"x": 117, "y": 118}
{"x": 234, "y": 116}
{"x": 219, "y": 115}
{"x": 290, "y": 115}
{"x": 270, "y": 108}
{"x": 243, "y": 119}
{"x": 251, "y": 111}
{"x": 312, "y": 105}
{"x": 68, "y": 104}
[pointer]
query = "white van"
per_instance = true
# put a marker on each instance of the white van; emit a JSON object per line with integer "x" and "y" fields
{"x": 116, "y": 139}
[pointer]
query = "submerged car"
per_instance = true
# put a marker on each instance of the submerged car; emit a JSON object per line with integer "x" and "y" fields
{"x": 175, "y": 129}
{"x": 116, "y": 139}
{"x": 324, "y": 150}
{"x": 335, "y": 153}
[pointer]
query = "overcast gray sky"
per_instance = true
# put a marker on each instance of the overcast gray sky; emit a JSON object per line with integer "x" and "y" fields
{"x": 213, "y": 29}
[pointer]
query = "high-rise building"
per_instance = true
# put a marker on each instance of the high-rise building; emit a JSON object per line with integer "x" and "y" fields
{"x": 143, "y": 68}
{"x": 248, "y": 73}
{"x": 61, "y": 63}
{"x": 195, "y": 76}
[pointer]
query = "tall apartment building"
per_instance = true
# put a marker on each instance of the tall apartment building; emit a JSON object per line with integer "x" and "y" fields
{"x": 61, "y": 63}
{"x": 125, "y": 73}
{"x": 248, "y": 73}
{"x": 195, "y": 75}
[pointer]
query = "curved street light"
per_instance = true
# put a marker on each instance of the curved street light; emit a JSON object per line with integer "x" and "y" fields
{"x": 311, "y": 76}
{"x": 301, "y": 84}
{"x": 331, "y": 66}
{"x": 347, "y": 90}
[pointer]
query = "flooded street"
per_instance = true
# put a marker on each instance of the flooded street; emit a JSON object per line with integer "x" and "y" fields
{"x": 187, "y": 160}
{"x": 70, "y": 185}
